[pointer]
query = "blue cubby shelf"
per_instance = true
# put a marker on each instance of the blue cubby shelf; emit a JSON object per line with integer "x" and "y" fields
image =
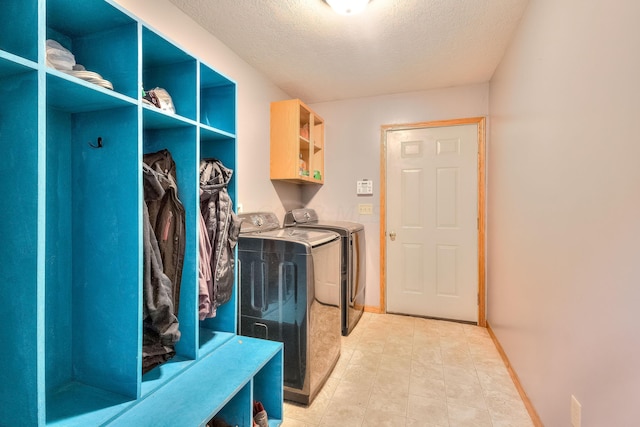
{"x": 155, "y": 118}
{"x": 210, "y": 134}
{"x": 72, "y": 255}
{"x": 11, "y": 64}
{"x": 74, "y": 95}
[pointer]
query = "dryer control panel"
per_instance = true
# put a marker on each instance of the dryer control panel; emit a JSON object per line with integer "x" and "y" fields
{"x": 258, "y": 221}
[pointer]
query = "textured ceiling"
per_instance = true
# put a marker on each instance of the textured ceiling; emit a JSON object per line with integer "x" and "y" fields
{"x": 394, "y": 46}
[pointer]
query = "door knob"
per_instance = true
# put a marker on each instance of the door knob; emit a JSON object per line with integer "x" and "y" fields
{"x": 392, "y": 235}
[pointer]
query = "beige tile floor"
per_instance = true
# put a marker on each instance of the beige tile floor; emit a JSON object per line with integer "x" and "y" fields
{"x": 405, "y": 371}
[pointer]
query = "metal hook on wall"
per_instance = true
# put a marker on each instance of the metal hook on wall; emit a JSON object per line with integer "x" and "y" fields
{"x": 99, "y": 143}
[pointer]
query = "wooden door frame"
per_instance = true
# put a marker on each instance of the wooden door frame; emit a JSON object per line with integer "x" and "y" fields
{"x": 384, "y": 129}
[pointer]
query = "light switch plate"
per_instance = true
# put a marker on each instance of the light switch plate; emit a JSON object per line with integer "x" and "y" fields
{"x": 365, "y": 209}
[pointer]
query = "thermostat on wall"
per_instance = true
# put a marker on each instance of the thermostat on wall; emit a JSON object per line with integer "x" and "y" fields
{"x": 364, "y": 187}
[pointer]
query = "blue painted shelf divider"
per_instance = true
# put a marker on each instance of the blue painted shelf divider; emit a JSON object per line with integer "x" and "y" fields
{"x": 71, "y": 258}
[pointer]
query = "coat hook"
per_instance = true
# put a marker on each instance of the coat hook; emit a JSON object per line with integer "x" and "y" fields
{"x": 99, "y": 143}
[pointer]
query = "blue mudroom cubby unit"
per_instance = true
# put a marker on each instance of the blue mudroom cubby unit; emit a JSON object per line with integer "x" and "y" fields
{"x": 71, "y": 263}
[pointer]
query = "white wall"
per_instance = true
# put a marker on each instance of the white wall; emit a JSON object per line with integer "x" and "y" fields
{"x": 352, "y": 153}
{"x": 255, "y": 94}
{"x": 564, "y": 209}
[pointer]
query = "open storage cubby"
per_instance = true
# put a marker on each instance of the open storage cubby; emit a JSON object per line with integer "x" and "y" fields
{"x": 71, "y": 262}
{"x": 101, "y": 38}
{"x": 260, "y": 388}
{"x": 14, "y": 39}
{"x": 216, "y": 330}
{"x": 91, "y": 254}
{"x": 217, "y": 101}
{"x": 166, "y": 66}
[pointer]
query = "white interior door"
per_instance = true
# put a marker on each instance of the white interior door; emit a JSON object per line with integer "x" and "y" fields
{"x": 432, "y": 222}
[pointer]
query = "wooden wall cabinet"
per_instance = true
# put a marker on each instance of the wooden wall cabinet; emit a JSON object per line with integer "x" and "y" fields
{"x": 71, "y": 260}
{"x": 297, "y": 143}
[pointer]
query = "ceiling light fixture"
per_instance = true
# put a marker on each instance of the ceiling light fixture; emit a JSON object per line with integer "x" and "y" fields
{"x": 347, "y": 7}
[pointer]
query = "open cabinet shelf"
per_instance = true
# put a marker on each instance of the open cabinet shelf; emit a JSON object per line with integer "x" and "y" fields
{"x": 297, "y": 143}
{"x": 71, "y": 260}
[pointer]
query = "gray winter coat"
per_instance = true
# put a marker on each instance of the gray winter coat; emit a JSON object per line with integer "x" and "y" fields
{"x": 160, "y": 324}
{"x": 223, "y": 227}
